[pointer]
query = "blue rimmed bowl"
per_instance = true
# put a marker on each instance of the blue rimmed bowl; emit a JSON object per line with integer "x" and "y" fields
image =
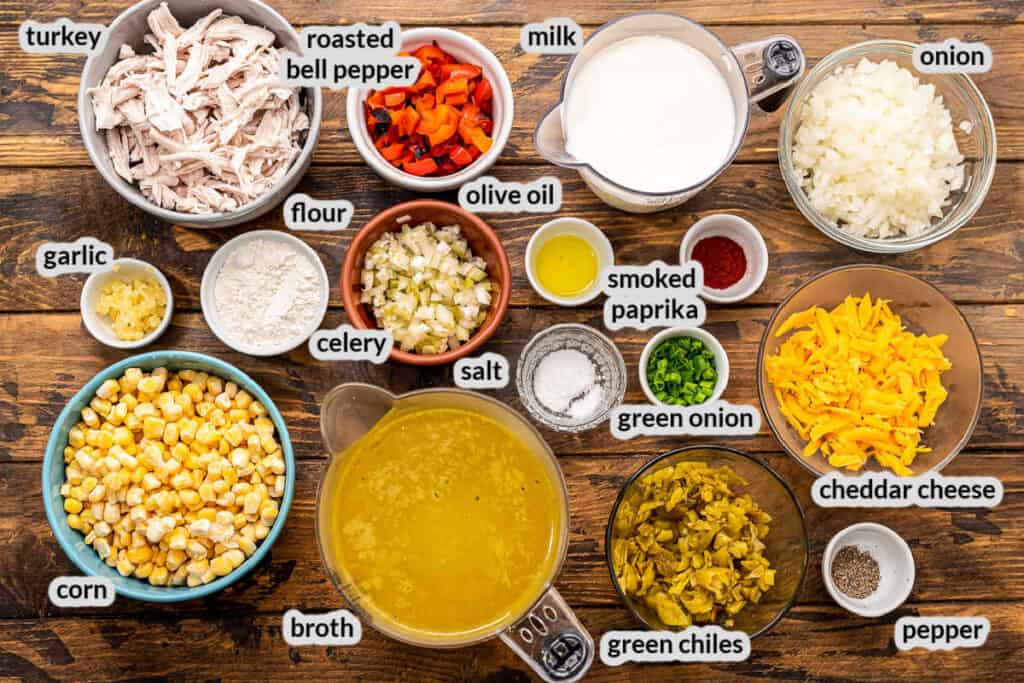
{"x": 73, "y": 542}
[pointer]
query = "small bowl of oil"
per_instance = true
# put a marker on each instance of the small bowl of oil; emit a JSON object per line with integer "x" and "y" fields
{"x": 564, "y": 260}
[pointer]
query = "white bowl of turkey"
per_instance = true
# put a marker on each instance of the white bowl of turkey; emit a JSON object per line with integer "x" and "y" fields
{"x": 264, "y": 293}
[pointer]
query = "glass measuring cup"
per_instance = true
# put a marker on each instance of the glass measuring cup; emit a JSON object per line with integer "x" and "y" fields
{"x": 757, "y": 73}
{"x": 547, "y": 635}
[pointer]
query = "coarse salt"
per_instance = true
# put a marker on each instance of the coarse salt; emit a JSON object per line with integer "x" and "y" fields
{"x": 566, "y": 382}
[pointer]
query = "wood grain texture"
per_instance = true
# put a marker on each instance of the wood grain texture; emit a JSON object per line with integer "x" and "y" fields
{"x": 45, "y": 358}
{"x": 977, "y": 552}
{"x": 521, "y": 11}
{"x": 39, "y": 117}
{"x": 969, "y": 562}
{"x": 233, "y": 646}
{"x": 980, "y": 263}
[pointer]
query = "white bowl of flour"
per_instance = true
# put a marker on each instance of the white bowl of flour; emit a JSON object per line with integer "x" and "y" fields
{"x": 264, "y": 293}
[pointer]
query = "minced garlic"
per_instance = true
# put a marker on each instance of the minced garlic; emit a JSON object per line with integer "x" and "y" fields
{"x": 135, "y": 306}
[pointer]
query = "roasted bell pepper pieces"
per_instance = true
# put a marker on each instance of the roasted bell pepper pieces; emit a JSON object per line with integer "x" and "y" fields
{"x": 440, "y": 124}
{"x": 424, "y": 166}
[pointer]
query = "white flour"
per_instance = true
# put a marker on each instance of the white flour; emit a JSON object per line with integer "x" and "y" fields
{"x": 265, "y": 293}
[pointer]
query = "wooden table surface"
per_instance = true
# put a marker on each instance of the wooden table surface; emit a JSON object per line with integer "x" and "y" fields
{"x": 969, "y": 562}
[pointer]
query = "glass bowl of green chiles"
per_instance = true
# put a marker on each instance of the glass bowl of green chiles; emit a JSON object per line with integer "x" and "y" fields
{"x": 683, "y": 367}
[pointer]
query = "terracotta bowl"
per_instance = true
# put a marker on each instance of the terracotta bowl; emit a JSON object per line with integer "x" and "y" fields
{"x": 482, "y": 240}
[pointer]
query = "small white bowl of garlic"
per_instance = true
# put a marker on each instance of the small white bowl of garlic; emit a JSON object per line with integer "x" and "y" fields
{"x": 127, "y": 306}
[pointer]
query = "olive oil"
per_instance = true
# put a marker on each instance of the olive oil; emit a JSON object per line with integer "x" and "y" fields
{"x": 566, "y": 265}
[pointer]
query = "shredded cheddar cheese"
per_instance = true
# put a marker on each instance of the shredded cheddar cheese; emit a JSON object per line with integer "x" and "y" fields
{"x": 855, "y": 384}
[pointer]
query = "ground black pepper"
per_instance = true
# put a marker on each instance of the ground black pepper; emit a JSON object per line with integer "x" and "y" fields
{"x": 855, "y": 573}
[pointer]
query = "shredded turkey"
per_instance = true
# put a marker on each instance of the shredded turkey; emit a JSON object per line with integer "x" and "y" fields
{"x": 203, "y": 123}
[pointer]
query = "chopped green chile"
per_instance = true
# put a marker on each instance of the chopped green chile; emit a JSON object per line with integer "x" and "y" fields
{"x": 681, "y": 372}
{"x": 689, "y": 548}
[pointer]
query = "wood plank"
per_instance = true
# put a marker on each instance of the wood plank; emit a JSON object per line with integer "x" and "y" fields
{"x": 45, "y": 359}
{"x": 61, "y": 205}
{"x": 962, "y": 555}
{"x": 832, "y": 647}
{"x": 39, "y": 116}
{"x": 513, "y": 12}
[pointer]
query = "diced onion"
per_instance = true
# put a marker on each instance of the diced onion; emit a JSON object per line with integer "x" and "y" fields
{"x": 876, "y": 152}
{"x": 426, "y": 287}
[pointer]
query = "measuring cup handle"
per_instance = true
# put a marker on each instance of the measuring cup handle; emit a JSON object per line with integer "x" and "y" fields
{"x": 770, "y": 66}
{"x": 552, "y": 640}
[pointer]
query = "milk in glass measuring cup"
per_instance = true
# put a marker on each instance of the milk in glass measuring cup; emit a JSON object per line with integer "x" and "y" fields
{"x": 655, "y": 107}
{"x": 443, "y": 520}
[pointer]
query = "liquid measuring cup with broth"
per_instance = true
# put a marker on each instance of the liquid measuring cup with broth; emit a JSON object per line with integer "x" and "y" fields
{"x": 443, "y": 520}
{"x": 655, "y": 107}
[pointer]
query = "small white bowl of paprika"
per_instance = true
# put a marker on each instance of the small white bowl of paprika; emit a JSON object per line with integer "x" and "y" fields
{"x": 732, "y": 253}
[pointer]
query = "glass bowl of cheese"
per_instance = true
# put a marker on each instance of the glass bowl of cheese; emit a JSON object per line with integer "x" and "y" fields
{"x": 870, "y": 368}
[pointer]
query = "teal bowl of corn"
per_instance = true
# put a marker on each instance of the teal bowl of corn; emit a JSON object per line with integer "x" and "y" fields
{"x": 231, "y": 548}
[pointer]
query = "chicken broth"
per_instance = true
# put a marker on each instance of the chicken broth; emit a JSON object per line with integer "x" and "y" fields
{"x": 442, "y": 524}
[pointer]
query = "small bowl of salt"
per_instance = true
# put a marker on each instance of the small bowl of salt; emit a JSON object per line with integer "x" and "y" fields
{"x": 570, "y": 377}
{"x": 264, "y": 292}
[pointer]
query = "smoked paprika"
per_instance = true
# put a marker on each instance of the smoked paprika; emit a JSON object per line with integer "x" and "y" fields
{"x": 723, "y": 261}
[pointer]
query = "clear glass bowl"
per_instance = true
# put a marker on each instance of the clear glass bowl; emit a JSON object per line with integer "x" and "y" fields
{"x": 786, "y": 545}
{"x": 965, "y": 103}
{"x": 608, "y": 362}
{"x": 924, "y": 310}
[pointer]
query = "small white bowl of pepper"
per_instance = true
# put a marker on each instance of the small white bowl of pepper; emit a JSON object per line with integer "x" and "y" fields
{"x": 868, "y": 569}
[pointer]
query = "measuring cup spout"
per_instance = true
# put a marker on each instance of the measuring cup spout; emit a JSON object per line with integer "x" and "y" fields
{"x": 349, "y": 411}
{"x": 549, "y": 139}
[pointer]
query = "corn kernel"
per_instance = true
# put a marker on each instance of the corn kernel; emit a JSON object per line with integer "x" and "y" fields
{"x": 140, "y": 555}
{"x": 221, "y": 566}
{"x": 108, "y": 390}
{"x": 101, "y": 407}
{"x": 243, "y": 400}
{"x": 153, "y": 427}
{"x": 124, "y": 567}
{"x": 72, "y": 505}
{"x": 175, "y": 558}
{"x": 159, "y": 576}
{"x": 76, "y": 438}
{"x": 90, "y": 418}
{"x": 171, "y": 434}
{"x": 153, "y": 384}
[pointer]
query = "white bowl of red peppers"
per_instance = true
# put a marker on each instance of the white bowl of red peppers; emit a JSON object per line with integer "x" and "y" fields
{"x": 448, "y": 127}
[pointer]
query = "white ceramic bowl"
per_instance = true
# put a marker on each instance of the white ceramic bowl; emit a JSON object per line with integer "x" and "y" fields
{"x": 895, "y": 564}
{"x": 721, "y": 360}
{"x": 581, "y": 228}
{"x": 465, "y": 49}
{"x": 743, "y": 233}
{"x": 99, "y": 326}
{"x": 220, "y": 257}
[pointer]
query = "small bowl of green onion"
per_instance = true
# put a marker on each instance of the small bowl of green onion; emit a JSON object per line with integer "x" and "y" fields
{"x": 683, "y": 366}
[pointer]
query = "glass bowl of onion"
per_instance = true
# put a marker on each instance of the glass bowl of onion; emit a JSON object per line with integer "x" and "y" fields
{"x": 882, "y": 157}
